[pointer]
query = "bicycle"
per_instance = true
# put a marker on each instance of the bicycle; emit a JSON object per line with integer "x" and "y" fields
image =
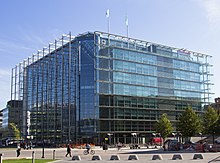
{"x": 86, "y": 152}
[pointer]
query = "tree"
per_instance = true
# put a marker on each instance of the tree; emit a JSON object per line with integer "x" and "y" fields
{"x": 163, "y": 126}
{"x": 189, "y": 123}
{"x": 13, "y": 131}
{"x": 216, "y": 127}
{"x": 209, "y": 119}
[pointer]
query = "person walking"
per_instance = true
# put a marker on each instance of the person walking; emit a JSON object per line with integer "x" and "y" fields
{"x": 68, "y": 150}
{"x": 119, "y": 145}
{"x": 18, "y": 150}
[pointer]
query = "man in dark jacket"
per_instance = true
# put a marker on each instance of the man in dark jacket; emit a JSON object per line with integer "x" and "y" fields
{"x": 68, "y": 150}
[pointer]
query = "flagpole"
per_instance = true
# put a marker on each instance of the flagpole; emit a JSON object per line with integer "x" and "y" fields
{"x": 127, "y": 30}
{"x": 108, "y": 16}
{"x": 126, "y": 22}
{"x": 108, "y": 25}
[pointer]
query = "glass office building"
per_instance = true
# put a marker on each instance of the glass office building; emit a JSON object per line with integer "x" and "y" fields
{"x": 99, "y": 85}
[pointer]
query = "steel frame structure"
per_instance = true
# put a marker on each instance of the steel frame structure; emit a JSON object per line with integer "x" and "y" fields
{"x": 19, "y": 87}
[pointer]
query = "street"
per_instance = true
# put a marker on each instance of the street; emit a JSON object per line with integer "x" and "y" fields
{"x": 144, "y": 155}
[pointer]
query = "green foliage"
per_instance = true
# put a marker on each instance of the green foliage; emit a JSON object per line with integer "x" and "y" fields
{"x": 209, "y": 120}
{"x": 189, "y": 123}
{"x": 12, "y": 131}
{"x": 163, "y": 126}
{"x": 216, "y": 127}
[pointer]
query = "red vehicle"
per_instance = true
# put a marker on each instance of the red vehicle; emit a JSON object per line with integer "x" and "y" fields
{"x": 156, "y": 141}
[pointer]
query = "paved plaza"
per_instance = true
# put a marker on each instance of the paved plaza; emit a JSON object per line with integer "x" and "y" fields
{"x": 144, "y": 155}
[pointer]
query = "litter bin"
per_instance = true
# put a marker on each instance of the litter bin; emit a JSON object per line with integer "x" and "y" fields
{"x": 105, "y": 147}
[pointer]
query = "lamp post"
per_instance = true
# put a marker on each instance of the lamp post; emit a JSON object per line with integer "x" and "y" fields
{"x": 180, "y": 137}
{"x": 124, "y": 138}
{"x": 154, "y": 134}
{"x": 200, "y": 135}
{"x": 133, "y": 134}
{"x": 213, "y": 137}
{"x": 174, "y": 135}
{"x": 43, "y": 139}
{"x": 160, "y": 139}
{"x": 109, "y": 135}
{"x": 154, "y": 141}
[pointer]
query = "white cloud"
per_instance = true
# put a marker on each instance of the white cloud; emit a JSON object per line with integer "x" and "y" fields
{"x": 8, "y": 45}
{"x": 4, "y": 73}
{"x": 212, "y": 10}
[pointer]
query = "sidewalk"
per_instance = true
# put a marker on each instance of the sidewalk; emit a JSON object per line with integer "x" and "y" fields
{"x": 143, "y": 154}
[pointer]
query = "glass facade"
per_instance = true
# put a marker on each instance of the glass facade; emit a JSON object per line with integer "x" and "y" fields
{"x": 99, "y": 85}
{"x": 5, "y": 118}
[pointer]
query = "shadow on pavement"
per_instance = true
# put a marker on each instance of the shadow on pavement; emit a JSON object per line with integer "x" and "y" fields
{"x": 159, "y": 151}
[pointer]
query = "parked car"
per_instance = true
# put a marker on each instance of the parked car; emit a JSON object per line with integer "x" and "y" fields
{"x": 212, "y": 147}
{"x": 172, "y": 145}
{"x": 156, "y": 141}
{"x": 134, "y": 146}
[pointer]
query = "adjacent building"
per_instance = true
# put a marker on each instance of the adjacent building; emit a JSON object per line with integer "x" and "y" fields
{"x": 216, "y": 105}
{"x": 97, "y": 85}
{"x": 4, "y": 117}
{"x": 13, "y": 114}
{"x": 1, "y": 118}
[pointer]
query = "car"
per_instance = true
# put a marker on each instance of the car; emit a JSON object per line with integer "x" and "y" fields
{"x": 172, "y": 145}
{"x": 212, "y": 147}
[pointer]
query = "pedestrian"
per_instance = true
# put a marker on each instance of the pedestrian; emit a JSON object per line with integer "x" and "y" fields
{"x": 18, "y": 150}
{"x": 119, "y": 145}
{"x": 68, "y": 150}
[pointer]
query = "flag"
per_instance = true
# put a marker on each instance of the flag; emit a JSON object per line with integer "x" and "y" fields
{"x": 126, "y": 21}
{"x": 107, "y": 13}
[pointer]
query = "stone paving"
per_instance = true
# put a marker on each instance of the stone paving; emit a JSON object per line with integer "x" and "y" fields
{"x": 144, "y": 155}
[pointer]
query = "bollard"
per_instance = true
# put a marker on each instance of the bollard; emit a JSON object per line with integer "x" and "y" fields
{"x": 196, "y": 156}
{"x": 133, "y": 157}
{"x": 97, "y": 157}
{"x": 177, "y": 156}
{"x": 54, "y": 154}
{"x": 33, "y": 157}
{"x": 1, "y": 157}
{"x": 157, "y": 157}
{"x": 76, "y": 158}
{"x": 114, "y": 157}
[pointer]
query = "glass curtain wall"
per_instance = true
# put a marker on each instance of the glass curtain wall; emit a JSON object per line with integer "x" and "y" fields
{"x": 51, "y": 96}
{"x": 99, "y": 85}
{"x": 137, "y": 84}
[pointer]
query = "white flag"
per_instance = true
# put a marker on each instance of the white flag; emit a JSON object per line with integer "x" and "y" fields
{"x": 126, "y": 21}
{"x": 107, "y": 13}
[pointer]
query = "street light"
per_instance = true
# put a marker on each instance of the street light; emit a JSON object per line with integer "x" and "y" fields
{"x": 124, "y": 135}
{"x": 109, "y": 135}
{"x": 174, "y": 135}
{"x": 180, "y": 137}
{"x": 160, "y": 139}
{"x": 133, "y": 134}
{"x": 200, "y": 135}
{"x": 154, "y": 134}
{"x": 156, "y": 141}
{"x": 42, "y": 130}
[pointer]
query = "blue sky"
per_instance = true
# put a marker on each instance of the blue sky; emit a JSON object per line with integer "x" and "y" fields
{"x": 27, "y": 26}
